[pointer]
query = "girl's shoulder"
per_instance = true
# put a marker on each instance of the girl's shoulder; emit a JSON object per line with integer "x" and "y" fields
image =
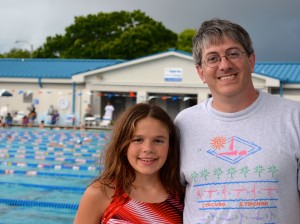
{"x": 101, "y": 190}
{"x": 94, "y": 202}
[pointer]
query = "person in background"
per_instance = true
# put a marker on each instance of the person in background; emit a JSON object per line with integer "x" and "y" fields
{"x": 8, "y": 120}
{"x": 109, "y": 109}
{"x": 25, "y": 121}
{"x": 82, "y": 127}
{"x": 50, "y": 112}
{"x": 55, "y": 117}
{"x": 42, "y": 124}
{"x": 32, "y": 116}
{"x": 9, "y": 138}
{"x": 240, "y": 149}
{"x": 88, "y": 111}
{"x": 140, "y": 181}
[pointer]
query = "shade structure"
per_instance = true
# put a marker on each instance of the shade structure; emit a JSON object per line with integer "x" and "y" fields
{"x": 6, "y": 94}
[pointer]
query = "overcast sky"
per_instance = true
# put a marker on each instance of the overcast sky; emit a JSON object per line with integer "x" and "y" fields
{"x": 274, "y": 25}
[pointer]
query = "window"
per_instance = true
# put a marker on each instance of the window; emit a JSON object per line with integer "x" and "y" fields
{"x": 27, "y": 98}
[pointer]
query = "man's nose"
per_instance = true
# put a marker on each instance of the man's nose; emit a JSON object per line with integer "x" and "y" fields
{"x": 224, "y": 63}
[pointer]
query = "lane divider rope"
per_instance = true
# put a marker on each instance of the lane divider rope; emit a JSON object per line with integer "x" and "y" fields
{"x": 48, "y": 187}
{"x": 38, "y": 173}
{"x": 28, "y": 203}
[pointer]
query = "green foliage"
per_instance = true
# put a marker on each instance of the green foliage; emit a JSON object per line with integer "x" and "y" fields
{"x": 16, "y": 53}
{"x": 184, "y": 42}
{"x": 116, "y": 35}
{"x": 52, "y": 48}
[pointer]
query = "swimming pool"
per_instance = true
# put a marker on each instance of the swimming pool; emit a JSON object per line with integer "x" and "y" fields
{"x": 43, "y": 172}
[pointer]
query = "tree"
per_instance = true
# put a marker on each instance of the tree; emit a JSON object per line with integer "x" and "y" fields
{"x": 116, "y": 35}
{"x": 16, "y": 53}
{"x": 184, "y": 42}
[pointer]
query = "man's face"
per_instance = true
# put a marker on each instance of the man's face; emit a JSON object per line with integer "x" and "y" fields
{"x": 230, "y": 76}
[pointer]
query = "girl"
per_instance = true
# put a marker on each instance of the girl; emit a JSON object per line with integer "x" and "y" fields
{"x": 140, "y": 181}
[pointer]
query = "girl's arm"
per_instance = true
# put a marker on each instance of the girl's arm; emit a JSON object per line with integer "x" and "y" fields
{"x": 92, "y": 205}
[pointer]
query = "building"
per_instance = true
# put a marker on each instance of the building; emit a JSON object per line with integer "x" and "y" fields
{"x": 169, "y": 78}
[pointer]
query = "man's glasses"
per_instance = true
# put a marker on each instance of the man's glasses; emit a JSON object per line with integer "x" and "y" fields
{"x": 214, "y": 59}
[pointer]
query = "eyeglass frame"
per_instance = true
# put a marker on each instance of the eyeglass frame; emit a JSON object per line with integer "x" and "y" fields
{"x": 226, "y": 56}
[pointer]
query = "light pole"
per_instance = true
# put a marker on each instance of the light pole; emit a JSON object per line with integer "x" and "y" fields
{"x": 24, "y": 41}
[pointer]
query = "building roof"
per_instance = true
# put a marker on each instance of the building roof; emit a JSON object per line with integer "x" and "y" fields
{"x": 50, "y": 68}
{"x": 286, "y": 72}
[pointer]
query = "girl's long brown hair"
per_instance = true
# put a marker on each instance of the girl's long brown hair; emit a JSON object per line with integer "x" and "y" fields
{"x": 117, "y": 171}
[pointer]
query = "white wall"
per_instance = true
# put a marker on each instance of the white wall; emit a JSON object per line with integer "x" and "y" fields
{"x": 142, "y": 76}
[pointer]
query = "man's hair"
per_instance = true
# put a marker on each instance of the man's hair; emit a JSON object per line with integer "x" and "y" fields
{"x": 214, "y": 31}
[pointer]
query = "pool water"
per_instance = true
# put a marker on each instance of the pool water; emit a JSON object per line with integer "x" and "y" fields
{"x": 43, "y": 172}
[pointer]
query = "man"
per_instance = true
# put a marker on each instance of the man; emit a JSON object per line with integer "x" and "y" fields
{"x": 240, "y": 148}
{"x": 109, "y": 109}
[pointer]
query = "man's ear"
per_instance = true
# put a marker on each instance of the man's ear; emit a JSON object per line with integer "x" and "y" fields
{"x": 200, "y": 73}
{"x": 252, "y": 61}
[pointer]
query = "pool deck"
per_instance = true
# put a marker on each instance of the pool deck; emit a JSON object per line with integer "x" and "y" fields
{"x": 60, "y": 127}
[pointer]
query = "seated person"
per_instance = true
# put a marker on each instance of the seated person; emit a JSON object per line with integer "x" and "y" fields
{"x": 25, "y": 121}
{"x": 31, "y": 117}
{"x": 55, "y": 117}
{"x": 88, "y": 111}
{"x": 8, "y": 120}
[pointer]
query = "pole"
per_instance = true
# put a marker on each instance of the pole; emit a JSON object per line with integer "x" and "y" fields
{"x": 31, "y": 46}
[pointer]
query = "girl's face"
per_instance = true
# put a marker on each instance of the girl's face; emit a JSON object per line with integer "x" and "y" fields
{"x": 149, "y": 146}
